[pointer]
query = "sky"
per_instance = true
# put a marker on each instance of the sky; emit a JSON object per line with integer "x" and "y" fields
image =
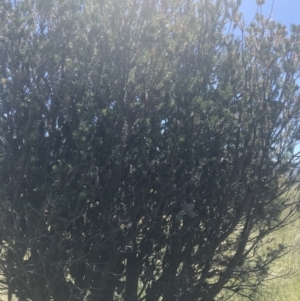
{"x": 283, "y": 11}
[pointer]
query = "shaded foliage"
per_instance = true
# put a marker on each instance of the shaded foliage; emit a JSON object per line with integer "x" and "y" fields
{"x": 146, "y": 148}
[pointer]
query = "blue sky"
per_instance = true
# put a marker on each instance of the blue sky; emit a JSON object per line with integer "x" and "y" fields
{"x": 284, "y": 11}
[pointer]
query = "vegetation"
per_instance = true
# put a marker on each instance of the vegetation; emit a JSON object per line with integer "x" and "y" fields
{"x": 284, "y": 276}
{"x": 146, "y": 148}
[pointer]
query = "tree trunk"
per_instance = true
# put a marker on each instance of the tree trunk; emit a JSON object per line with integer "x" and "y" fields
{"x": 131, "y": 278}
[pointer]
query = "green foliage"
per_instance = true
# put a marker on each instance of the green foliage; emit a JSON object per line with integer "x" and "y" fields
{"x": 146, "y": 149}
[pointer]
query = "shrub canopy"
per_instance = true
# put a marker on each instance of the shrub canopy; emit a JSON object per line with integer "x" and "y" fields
{"x": 146, "y": 148}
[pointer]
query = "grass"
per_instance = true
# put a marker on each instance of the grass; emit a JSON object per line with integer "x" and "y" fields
{"x": 284, "y": 284}
{"x": 286, "y": 288}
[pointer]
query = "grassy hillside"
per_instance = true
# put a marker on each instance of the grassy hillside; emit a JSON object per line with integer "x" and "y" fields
{"x": 285, "y": 280}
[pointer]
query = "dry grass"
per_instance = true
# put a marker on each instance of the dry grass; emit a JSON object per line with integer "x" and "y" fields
{"x": 284, "y": 283}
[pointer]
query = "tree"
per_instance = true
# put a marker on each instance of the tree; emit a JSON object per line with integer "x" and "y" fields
{"x": 147, "y": 148}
